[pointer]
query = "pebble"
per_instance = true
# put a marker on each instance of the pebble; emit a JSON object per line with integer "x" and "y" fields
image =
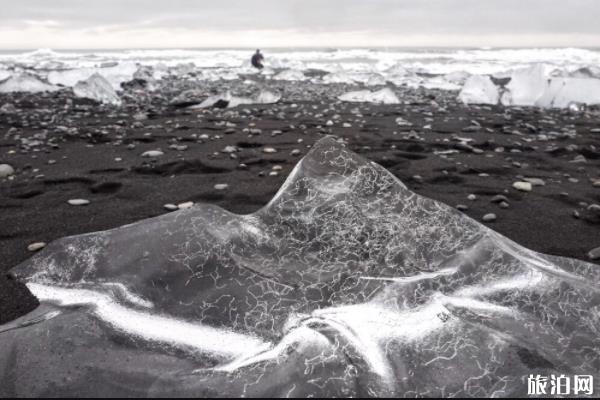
{"x": 594, "y": 254}
{"x": 472, "y": 197}
{"x": 221, "y": 186}
{"x": 499, "y": 198}
{"x": 183, "y": 206}
{"x": 36, "y": 246}
{"x": 78, "y": 202}
{"x": 269, "y": 150}
{"x": 535, "y": 181}
{"x": 229, "y": 149}
{"x": 6, "y": 171}
{"x": 152, "y": 153}
{"x": 296, "y": 152}
{"x": 462, "y": 207}
{"x": 522, "y": 186}
{"x": 595, "y": 208}
{"x": 489, "y": 217}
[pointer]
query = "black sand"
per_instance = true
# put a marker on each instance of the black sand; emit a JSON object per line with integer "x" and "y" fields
{"x": 55, "y": 163}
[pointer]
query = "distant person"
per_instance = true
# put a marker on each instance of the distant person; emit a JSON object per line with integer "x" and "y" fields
{"x": 257, "y": 60}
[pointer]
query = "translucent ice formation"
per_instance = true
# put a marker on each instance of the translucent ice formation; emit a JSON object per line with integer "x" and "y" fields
{"x": 383, "y": 96}
{"x": 526, "y": 86}
{"x": 290, "y": 75}
{"x": 228, "y": 100}
{"x": 561, "y": 92}
{"x": 97, "y": 88}
{"x": 25, "y": 82}
{"x": 114, "y": 74}
{"x": 536, "y": 87}
{"x": 345, "y": 284}
{"x": 479, "y": 90}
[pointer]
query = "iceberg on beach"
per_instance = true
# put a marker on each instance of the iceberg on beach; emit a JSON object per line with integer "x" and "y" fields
{"x": 526, "y": 86}
{"x": 338, "y": 77}
{"x": 290, "y": 75}
{"x": 96, "y": 87}
{"x": 346, "y": 283}
{"x": 227, "y": 100}
{"x": 25, "y": 82}
{"x": 115, "y": 74}
{"x": 383, "y": 96}
{"x": 479, "y": 90}
{"x": 534, "y": 86}
{"x": 562, "y": 92}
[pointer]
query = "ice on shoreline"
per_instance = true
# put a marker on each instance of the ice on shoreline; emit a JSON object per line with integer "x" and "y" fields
{"x": 479, "y": 90}
{"x": 535, "y": 86}
{"x": 383, "y": 96}
{"x": 96, "y": 87}
{"x": 25, "y": 82}
{"x": 227, "y": 100}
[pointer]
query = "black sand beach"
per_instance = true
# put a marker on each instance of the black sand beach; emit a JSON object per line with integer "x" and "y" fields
{"x": 64, "y": 148}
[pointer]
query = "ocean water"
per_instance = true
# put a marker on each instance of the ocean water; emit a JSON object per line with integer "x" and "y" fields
{"x": 380, "y": 60}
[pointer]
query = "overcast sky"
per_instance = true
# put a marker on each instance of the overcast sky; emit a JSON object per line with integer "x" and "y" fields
{"x": 85, "y": 24}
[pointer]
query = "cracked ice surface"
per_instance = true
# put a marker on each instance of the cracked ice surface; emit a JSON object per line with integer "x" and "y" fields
{"x": 345, "y": 284}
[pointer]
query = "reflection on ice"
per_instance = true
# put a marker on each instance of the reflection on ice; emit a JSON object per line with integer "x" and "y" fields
{"x": 345, "y": 284}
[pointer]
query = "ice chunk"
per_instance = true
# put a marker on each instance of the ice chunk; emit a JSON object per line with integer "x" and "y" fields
{"x": 561, "y": 92}
{"x": 115, "y": 74}
{"x": 479, "y": 89}
{"x": 526, "y": 86}
{"x": 97, "y": 88}
{"x": 4, "y": 74}
{"x": 440, "y": 82}
{"x": 290, "y": 75}
{"x": 375, "y": 80}
{"x": 346, "y": 283}
{"x": 338, "y": 77}
{"x": 25, "y": 82}
{"x": 228, "y": 100}
{"x": 383, "y": 96}
{"x": 591, "y": 71}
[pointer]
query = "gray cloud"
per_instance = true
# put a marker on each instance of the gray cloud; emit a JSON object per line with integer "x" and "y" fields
{"x": 390, "y": 17}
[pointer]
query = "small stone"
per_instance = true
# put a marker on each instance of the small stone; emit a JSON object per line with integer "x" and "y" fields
{"x": 152, "y": 153}
{"x": 522, "y": 186}
{"x": 221, "y": 186}
{"x": 472, "y": 197}
{"x": 269, "y": 150}
{"x": 229, "y": 149}
{"x": 6, "y": 171}
{"x": 36, "y": 246}
{"x": 594, "y": 254}
{"x": 504, "y": 204}
{"x": 594, "y": 208}
{"x": 489, "y": 217}
{"x": 296, "y": 152}
{"x": 183, "y": 206}
{"x": 499, "y": 198}
{"x": 171, "y": 207}
{"x": 78, "y": 202}
{"x": 462, "y": 207}
{"x": 535, "y": 181}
